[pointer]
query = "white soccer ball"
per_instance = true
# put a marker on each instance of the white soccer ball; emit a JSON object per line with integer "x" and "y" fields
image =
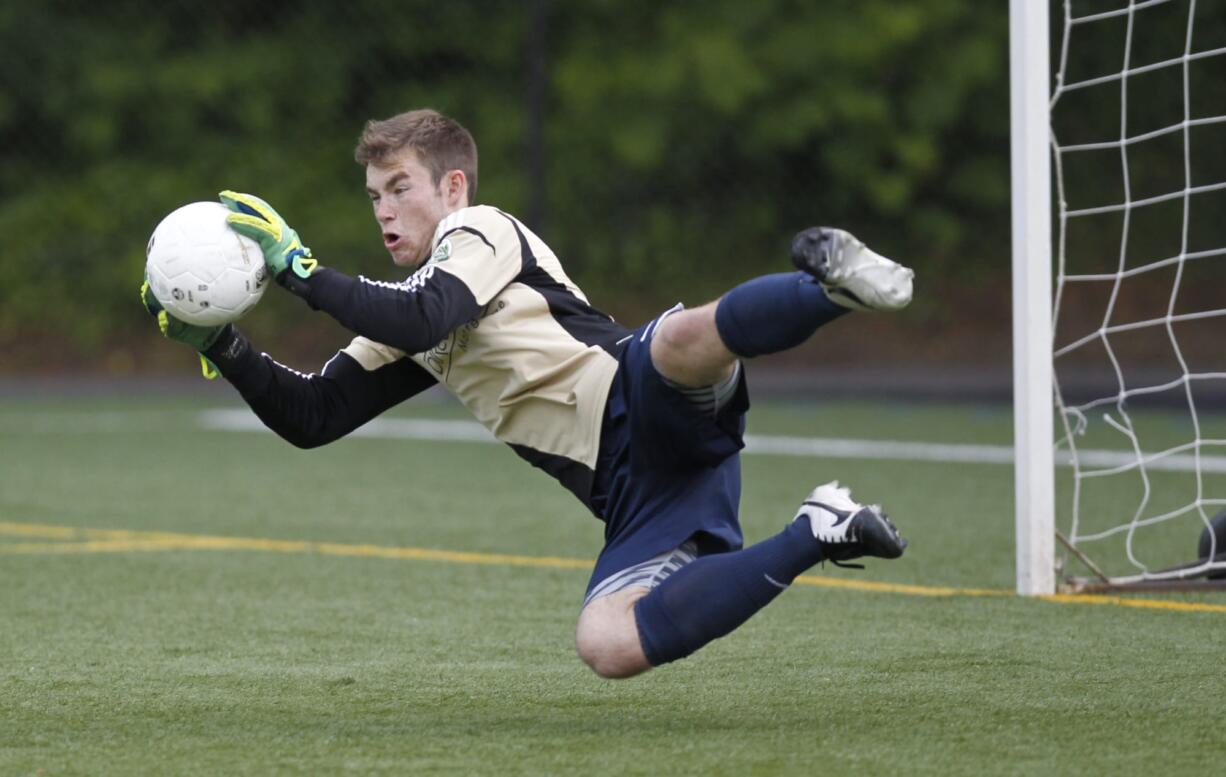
{"x": 201, "y": 270}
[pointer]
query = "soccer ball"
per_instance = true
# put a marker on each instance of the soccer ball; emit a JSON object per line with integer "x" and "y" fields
{"x": 201, "y": 270}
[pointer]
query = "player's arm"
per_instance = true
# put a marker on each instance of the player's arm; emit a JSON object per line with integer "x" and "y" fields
{"x": 354, "y": 386}
{"x": 412, "y": 316}
{"x": 309, "y": 410}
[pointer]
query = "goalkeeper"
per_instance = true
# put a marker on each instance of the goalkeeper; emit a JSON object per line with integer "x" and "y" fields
{"x": 644, "y": 426}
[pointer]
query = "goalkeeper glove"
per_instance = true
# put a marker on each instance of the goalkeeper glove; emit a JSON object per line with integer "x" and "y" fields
{"x": 199, "y": 337}
{"x": 287, "y": 259}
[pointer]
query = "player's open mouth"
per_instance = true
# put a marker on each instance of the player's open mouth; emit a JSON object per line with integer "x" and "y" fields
{"x": 391, "y": 240}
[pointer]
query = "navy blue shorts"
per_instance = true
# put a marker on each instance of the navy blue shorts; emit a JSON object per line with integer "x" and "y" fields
{"x": 667, "y": 471}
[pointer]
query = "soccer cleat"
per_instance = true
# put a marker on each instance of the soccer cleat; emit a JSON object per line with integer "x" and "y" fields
{"x": 848, "y": 530}
{"x": 852, "y": 274}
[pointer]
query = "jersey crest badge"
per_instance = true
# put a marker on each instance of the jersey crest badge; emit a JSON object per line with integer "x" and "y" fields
{"x": 442, "y": 253}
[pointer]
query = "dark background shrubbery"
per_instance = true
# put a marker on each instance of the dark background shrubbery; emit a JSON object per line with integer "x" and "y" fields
{"x": 666, "y": 151}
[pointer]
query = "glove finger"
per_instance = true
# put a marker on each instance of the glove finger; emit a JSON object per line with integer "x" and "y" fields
{"x": 168, "y": 324}
{"x": 249, "y": 204}
{"x": 265, "y": 233}
{"x": 148, "y": 300}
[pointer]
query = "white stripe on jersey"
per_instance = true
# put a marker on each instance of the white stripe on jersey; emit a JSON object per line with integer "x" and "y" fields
{"x": 304, "y": 375}
{"x": 413, "y": 284}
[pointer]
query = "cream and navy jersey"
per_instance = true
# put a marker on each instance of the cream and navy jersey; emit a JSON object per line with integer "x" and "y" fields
{"x": 491, "y": 315}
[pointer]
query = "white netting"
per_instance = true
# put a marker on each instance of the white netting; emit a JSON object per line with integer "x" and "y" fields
{"x": 1139, "y": 143}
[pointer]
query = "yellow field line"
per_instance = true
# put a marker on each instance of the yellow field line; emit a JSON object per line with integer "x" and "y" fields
{"x": 38, "y": 530}
{"x": 1148, "y": 604}
{"x": 925, "y": 590}
{"x": 89, "y": 546}
{"x": 902, "y": 588}
{"x": 74, "y": 540}
{"x": 103, "y": 540}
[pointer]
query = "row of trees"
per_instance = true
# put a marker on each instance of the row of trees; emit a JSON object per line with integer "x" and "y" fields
{"x": 678, "y": 145}
{"x": 664, "y": 150}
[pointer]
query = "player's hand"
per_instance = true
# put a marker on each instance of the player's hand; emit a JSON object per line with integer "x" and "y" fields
{"x": 198, "y": 337}
{"x": 284, "y": 253}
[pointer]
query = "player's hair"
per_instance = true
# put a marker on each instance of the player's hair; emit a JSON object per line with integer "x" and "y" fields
{"x": 441, "y": 143}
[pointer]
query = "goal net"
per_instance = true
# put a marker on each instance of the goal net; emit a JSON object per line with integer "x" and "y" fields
{"x": 1138, "y": 140}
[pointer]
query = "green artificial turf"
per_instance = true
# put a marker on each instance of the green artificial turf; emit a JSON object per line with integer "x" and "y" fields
{"x": 263, "y": 662}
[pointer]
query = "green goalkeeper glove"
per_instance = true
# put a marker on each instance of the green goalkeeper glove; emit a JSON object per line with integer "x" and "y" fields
{"x": 287, "y": 259}
{"x": 198, "y": 337}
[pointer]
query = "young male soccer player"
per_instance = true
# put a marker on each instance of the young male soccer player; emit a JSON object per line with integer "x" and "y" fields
{"x": 644, "y": 426}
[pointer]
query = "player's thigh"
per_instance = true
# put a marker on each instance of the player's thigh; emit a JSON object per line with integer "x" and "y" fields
{"x": 607, "y": 637}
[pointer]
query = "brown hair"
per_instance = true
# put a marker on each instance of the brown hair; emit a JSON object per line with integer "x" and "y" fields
{"x": 441, "y": 143}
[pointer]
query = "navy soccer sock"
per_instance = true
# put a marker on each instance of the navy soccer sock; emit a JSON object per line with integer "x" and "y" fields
{"x": 773, "y": 313}
{"x": 713, "y": 595}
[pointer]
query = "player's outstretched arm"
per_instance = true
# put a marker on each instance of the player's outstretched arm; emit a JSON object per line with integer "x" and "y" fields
{"x": 313, "y": 409}
{"x": 307, "y": 410}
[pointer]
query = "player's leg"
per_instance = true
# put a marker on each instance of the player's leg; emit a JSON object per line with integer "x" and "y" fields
{"x": 633, "y": 629}
{"x": 837, "y": 273}
{"x": 606, "y": 636}
{"x": 716, "y": 594}
{"x": 669, "y": 472}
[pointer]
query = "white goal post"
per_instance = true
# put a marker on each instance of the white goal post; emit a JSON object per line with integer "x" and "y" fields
{"x": 1123, "y": 347}
{"x": 1033, "y": 436}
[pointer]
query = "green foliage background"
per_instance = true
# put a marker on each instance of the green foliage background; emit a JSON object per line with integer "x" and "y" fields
{"x": 683, "y": 143}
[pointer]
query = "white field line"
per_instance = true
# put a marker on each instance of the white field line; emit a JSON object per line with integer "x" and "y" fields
{"x": 70, "y": 423}
{"x": 759, "y": 444}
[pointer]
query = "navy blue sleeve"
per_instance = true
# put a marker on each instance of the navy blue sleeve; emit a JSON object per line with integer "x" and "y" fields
{"x": 412, "y": 316}
{"x": 309, "y": 410}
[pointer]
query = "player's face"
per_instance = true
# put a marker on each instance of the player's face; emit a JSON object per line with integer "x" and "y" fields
{"x": 408, "y": 206}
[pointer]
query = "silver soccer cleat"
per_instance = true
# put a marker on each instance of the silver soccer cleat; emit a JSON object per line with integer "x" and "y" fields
{"x": 851, "y": 273}
{"x": 847, "y": 529}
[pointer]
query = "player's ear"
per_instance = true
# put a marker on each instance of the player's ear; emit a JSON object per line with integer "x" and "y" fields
{"x": 455, "y": 188}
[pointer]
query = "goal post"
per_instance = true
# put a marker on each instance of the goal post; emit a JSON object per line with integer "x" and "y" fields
{"x": 1034, "y": 466}
{"x": 1119, "y": 321}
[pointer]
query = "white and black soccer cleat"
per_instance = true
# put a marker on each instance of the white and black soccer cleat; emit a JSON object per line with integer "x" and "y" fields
{"x": 853, "y": 275}
{"x": 847, "y": 529}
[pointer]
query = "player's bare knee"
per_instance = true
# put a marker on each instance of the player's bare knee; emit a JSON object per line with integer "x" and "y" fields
{"x": 607, "y": 638}
{"x": 610, "y": 652}
{"x": 686, "y": 348}
{"x": 672, "y": 341}
{"x": 611, "y": 663}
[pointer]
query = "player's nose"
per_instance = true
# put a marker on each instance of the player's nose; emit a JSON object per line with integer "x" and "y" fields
{"x": 384, "y": 213}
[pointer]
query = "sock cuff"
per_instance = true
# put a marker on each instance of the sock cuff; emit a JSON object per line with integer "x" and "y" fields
{"x": 730, "y": 329}
{"x": 801, "y": 532}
